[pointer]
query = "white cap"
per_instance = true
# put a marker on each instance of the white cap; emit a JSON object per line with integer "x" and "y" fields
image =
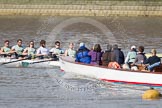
{"x": 82, "y": 44}
{"x": 133, "y": 47}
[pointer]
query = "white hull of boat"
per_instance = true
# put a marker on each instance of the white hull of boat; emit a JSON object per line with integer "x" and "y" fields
{"x": 31, "y": 63}
{"x": 112, "y": 75}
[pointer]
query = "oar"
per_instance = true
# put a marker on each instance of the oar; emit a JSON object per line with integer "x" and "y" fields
{"x": 14, "y": 61}
{"x": 5, "y": 54}
{"x": 26, "y": 64}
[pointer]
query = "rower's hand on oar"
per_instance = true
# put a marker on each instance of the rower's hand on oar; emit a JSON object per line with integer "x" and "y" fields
{"x": 133, "y": 64}
{"x": 45, "y": 56}
{"x": 31, "y": 56}
{"x": 27, "y": 58}
{"x": 59, "y": 55}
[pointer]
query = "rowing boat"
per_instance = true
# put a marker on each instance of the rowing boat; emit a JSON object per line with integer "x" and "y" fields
{"x": 36, "y": 63}
{"x": 151, "y": 79}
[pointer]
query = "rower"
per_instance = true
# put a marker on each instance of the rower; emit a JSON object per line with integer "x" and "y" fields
{"x": 70, "y": 51}
{"x": 42, "y": 51}
{"x": 17, "y": 49}
{"x": 30, "y": 50}
{"x": 57, "y": 50}
{"x": 5, "y": 49}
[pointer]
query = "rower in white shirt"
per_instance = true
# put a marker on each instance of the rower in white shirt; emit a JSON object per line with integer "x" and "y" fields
{"x": 42, "y": 51}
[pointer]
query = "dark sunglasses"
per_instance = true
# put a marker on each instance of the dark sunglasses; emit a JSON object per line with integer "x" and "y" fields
{"x": 57, "y": 44}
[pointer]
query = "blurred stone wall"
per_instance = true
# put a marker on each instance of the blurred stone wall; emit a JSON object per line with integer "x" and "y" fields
{"x": 82, "y": 7}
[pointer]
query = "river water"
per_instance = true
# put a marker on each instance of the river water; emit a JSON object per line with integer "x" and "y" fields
{"x": 51, "y": 88}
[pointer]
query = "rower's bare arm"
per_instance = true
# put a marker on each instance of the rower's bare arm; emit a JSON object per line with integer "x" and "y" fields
{"x": 25, "y": 52}
{"x": 41, "y": 55}
{"x": 12, "y": 51}
{"x": 38, "y": 55}
{"x": 1, "y": 51}
{"x": 66, "y": 53}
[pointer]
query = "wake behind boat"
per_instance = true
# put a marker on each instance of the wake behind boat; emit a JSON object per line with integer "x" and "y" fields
{"x": 36, "y": 63}
{"x": 151, "y": 79}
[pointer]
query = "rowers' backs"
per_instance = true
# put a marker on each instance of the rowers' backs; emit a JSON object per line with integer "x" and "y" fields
{"x": 98, "y": 57}
{"x": 82, "y": 54}
{"x": 113, "y": 57}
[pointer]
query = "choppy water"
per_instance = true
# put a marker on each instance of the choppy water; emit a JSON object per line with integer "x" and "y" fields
{"x": 51, "y": 88}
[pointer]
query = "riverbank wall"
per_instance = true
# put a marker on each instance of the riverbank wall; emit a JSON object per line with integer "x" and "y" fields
{"x": 82, "y": 8}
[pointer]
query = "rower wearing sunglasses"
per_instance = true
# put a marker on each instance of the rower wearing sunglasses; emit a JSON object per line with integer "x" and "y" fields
{"x": 57, "y": 50}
